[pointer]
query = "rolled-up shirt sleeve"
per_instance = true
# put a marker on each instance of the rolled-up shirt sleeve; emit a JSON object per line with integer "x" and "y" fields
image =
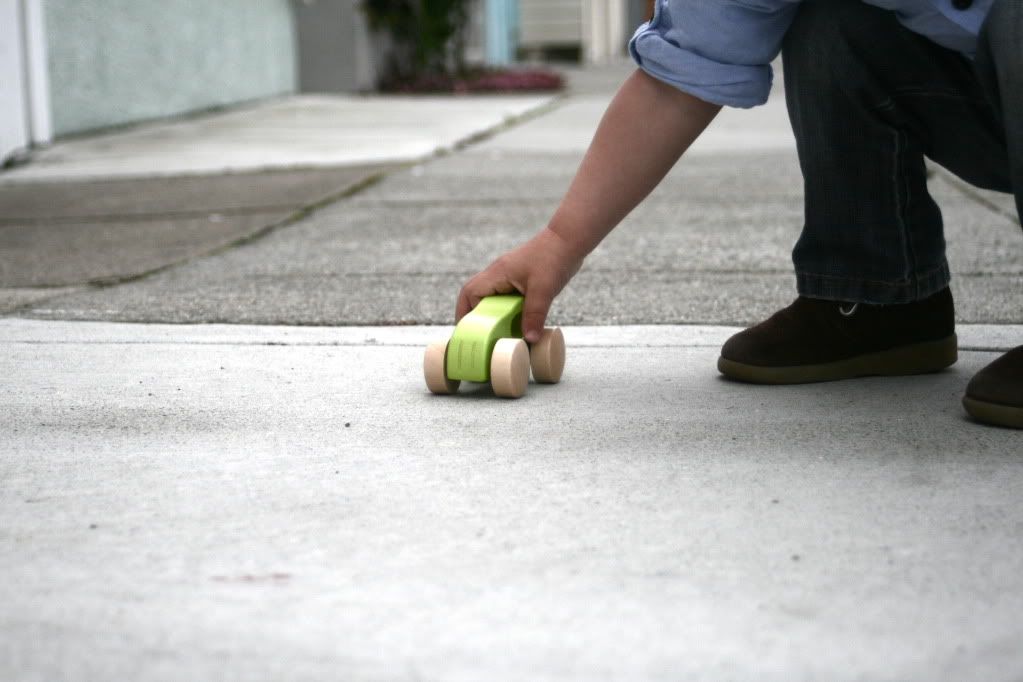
{"x": 717, "y": 50}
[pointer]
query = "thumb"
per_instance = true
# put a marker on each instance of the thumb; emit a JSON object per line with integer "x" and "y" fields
{"x": 534, "y": 313}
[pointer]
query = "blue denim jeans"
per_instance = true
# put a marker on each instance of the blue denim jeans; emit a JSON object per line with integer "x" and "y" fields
{"x": 869, "y": 100}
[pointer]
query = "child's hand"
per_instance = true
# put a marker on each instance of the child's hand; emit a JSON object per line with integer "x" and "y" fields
{"x": 539, "y": 269}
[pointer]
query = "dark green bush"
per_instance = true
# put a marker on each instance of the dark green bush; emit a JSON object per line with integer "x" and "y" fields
{"x": 427, "y": 36}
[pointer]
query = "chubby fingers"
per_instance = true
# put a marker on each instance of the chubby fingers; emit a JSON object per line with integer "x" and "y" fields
{"x": 506, "y": 276}
{"x": 465, "y": 303}
{"x": 534, "y": 310}
{"x": 482, "y": 285}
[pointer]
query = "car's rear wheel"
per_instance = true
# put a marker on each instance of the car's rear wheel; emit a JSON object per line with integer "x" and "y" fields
{"x": 547, "y": 356}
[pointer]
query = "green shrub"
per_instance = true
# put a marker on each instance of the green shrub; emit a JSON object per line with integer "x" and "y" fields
{"x": 427, "y": 36}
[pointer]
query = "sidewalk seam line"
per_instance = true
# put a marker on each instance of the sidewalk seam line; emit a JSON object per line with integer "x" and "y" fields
{"x": 354, "y": 344}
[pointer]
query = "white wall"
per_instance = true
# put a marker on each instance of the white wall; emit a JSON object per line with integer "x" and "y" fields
{"x": 113, "y": 62}
{"x": 14, "y": 131}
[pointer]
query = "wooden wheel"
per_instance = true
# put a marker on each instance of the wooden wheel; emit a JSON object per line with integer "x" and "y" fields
{"x": 547, "y": 356}
{"x": 435, "y": 371}
{"x": 509, "y": 368}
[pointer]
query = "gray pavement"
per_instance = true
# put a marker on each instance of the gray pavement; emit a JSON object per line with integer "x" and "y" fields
{"x": 260, "y": 500}
{"x": 290, "y": 503}
{"x": 63, "y": 237}
{"x": 398, "y": 252}
{"x": 710, "y": 246}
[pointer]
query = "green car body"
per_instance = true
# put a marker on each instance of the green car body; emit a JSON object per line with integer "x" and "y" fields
{"x": 472, "y": 344}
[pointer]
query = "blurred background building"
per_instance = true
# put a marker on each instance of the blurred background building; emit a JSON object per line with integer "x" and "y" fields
{"x": 73, "y": 66}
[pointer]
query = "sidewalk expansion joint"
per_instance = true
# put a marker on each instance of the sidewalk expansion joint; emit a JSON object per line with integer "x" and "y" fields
{"x": 146, "y": 216}
{"x": 508, "y": 123}
{"x": 384, "y": 345}
{"x": 296, "y": 216}
{"x": 367, "y": 344}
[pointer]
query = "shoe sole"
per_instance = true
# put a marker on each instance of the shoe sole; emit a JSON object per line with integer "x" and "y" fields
{"x": 993, "y": 413}
{"x": 920, "y": 358}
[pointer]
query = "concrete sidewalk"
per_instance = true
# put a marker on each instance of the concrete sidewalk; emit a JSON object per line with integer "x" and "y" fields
{"x": 710, "y": 246}
{"x": 294, "y": 132}
{"x": 290, "y": 503}
{"x": 110, "y": 208}
{"x": 218, "y": 458}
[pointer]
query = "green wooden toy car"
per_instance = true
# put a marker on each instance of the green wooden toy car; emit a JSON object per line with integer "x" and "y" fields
{"x": 488, "y": 346}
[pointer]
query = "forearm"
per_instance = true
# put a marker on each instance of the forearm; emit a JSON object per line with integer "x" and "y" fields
{"x": 645, "y": 130}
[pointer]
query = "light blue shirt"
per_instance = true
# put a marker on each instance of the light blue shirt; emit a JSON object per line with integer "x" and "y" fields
{"x": 721, "y": 50}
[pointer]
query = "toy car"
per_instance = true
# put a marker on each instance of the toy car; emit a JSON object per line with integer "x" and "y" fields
{"x": 488, "y": 346}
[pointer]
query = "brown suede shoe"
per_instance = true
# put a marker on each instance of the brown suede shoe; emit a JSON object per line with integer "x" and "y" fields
{"x": 816, "y": 340}
{"x": 995, "y": 394}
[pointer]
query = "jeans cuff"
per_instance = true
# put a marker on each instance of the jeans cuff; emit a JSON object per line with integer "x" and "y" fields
{"x": 853, "y": 290}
